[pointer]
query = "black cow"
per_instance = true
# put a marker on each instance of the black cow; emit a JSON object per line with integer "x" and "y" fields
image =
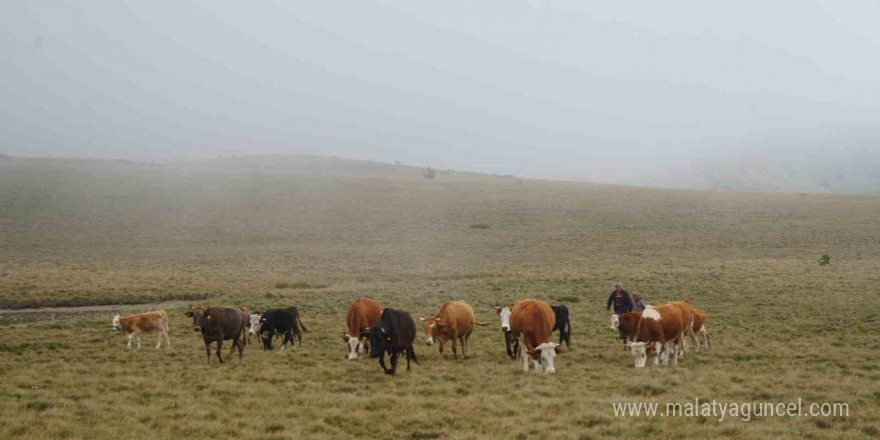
{"x": 394, "y": 333}
{"x": 220, "y": 324}
{"x": 562, "y": 324}
{"x": 285, "y": 322}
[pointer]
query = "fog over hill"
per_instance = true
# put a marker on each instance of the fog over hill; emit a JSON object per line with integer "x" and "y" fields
{"x": 781, "y": 97}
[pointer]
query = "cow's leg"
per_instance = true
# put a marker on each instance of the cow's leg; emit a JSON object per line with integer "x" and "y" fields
{"x": 440, "y": 344}
{"x": 523, "y": 354}
{"x": 219, "y": 349}
{"x": 235, "y": 344}
{"x": 705, "y": 332}
{"x": 455, "y": 346}
{"x": 167, "y": 339}
{"x": 139, "y": 340}
{"x": 208, "y": 351}
{"x": 130, "y": 336}
{"x": 159, "y": 344}
{"x": 382, "y": 363}
{"x": 394, "y": 362}
{"x": 466, "y": 344}
{"x": 241, "y": 344}
{"x": 657, "y": 348}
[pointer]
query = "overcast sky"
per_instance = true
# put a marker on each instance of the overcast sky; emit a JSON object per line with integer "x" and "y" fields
{"x": 579, "y": 90}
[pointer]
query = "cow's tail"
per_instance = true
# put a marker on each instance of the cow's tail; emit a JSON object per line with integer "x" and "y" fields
{"x": 302, "y": 325}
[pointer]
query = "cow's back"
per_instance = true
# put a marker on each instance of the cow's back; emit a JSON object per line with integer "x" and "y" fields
{"x": 363, "y": 313}
{"x": 687, "y": 311}
{"x": 534, "y": 319}
{"x": 458, "y": 315}
{"x": 225, "y": 321}
{"x": 668, "y": 327}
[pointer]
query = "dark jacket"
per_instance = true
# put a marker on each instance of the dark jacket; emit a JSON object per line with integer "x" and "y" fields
{"x": 622, "y": 302}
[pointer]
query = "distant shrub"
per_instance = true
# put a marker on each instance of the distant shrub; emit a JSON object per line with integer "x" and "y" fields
{"x": 429, "y": 173}
{"x": 825, "y": 259}
{"x": 479, "y": 226}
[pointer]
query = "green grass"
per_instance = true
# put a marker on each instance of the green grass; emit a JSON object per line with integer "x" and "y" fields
{"x": 318, "y": 233}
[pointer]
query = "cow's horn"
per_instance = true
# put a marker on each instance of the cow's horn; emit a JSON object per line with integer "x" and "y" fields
{"x": 421, "y": 319}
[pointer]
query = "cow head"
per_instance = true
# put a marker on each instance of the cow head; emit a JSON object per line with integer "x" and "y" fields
{"x": 378, "y": 338}
{"x": 639, "y": 352}
{"x": 116, "y": 324}
{"x": 503, "y": 312}
{"x": 200, "y": 318}
{"x": 357, "y": 346}
{"x": 254, "y": 323}
{"x": 432, "y": 324}
{"x": 615, "y": 321}
{"x": 545, "y": 353}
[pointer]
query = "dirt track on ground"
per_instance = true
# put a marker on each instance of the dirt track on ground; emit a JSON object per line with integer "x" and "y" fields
{"x": 12, "y": 316}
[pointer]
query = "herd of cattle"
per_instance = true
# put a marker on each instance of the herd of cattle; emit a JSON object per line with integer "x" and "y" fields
{"x": 527, "y": 325}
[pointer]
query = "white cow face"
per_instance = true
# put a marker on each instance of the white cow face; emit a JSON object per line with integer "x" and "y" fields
{"x": 504, "y": 313}
{"x": 255, "y": 323}
{"x": 546, "y": 352}
{"x": 639, "y": 352}
{"x": 615, "y": 321}
{"x": 116, "y": 322}
{"x": 355, "y": 346}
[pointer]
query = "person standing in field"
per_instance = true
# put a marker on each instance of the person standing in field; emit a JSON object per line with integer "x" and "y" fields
{"x": 638, "y": 302}
{"x": 621, "y": 301}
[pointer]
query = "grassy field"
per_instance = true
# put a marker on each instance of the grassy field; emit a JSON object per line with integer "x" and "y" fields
{"x": 319, "y": 232}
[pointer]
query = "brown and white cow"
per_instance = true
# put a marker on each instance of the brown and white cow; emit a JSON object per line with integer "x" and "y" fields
{"x": 455, "y": 321}
{"x": 134, "y": 325}
{"x": 531, "y": 322}
{"x": 362, "y": 314}
{"x": 659, "y": 327}
{"x": 700, "y": 329}
{"x": 626, "y": 324}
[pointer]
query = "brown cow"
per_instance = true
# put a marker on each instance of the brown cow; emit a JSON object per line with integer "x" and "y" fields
{"x": 362, "y": 314}
{"x": 455, "y": 321}
{"x": 134, "y": 325}
{"x": 531, "y": 322}
{"x": 700, "y": 329}
{"x": 658, "y": 327}
{"x": 626, "y": 324}
{"x": 687, "y": 317}
{"x": 218, "y": 324}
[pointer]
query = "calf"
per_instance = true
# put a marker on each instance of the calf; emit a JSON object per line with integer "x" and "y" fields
{"x": 362, "y": 314}
{"x": 510, "y": 343}
{"x": 562, "y": 324}
{"x": 218, "y": 324}
{"x": 658, "y": 327}
{"x": 531, "y": 322}
{"x": 626, "y": 324}
{"x": 394, "y": 333}
{"x": 134, "y": 325}
{"x": 455, "y": 321}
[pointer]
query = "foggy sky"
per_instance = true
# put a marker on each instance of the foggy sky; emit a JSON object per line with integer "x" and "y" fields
{"x": 578, "y": 90}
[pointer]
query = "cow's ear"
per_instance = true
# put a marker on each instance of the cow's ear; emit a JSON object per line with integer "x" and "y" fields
{"x": 190, "y": 313}
{"x": 531, "y": 352}
{"x": 345, "y": 337}
{"x": 497, "y": 309}
{"x": 560, "y": 350}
